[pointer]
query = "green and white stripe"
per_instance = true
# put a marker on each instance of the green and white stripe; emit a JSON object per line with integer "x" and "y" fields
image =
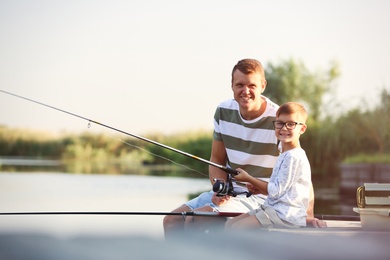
{"x": 250, "y": 144}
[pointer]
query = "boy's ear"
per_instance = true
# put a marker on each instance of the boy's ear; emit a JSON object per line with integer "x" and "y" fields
{"x": 303, "y": 129}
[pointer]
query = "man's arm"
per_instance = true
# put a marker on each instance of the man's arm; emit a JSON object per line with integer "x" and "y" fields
{"x": 218, "y": 156}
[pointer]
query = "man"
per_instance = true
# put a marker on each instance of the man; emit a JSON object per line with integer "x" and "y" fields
{"x": 243, "y": 138}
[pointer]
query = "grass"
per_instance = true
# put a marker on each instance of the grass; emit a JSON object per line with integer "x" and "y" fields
{"x": 368, "y": 158}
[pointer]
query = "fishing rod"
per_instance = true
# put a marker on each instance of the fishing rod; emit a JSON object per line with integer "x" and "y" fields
{"x": 184, "y": 214}
{"x": 224, "y": 168}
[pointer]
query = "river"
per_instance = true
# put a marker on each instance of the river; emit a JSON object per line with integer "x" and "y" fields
{"x": 139, "y": 236}
{"x": 60, "y": 191}
{"x": 46, "y": 191}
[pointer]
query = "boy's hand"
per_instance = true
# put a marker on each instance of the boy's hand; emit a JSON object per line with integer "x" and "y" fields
{"x": 241, "y": 175}
{"x": 315, "y": 222}
{"x": 252, "y": 189}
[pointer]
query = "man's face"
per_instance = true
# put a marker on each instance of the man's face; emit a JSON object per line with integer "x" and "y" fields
{"x": 247, "y": 89}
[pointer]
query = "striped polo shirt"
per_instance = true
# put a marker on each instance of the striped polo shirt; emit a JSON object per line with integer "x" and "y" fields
{"x": 250, "y": 144}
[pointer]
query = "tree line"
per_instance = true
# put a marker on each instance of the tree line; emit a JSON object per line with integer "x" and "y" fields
{"x": 357, "y": 135}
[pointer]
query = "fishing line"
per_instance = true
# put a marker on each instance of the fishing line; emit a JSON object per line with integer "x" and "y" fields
{"x": 222, "y": 167}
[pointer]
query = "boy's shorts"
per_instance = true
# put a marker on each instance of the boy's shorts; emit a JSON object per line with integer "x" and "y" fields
{"x": 268, "y": 218}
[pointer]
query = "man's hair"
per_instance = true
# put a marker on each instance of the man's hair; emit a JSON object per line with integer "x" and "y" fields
{"x": 248, "y": 66}
{"x": 292, "y": 108}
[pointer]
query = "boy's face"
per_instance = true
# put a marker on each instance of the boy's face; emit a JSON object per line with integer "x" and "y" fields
{"x": 293, "y": 127}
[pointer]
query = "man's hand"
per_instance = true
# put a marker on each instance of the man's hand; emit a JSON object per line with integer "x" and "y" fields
{"x": 219, "y": 200}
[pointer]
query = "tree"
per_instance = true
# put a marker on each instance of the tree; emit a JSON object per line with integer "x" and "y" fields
{"x": 292, "y": 81}
{"x": 369, "y": 130}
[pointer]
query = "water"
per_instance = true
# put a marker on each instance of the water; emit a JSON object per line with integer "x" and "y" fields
{"x": 141, "y": 237}
{"x": 36, "y": 187}
{"x": 45, "y": 191}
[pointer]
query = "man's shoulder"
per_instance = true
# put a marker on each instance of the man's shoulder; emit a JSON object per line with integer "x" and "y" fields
{"x": 272, "y": 107}
{"x": 229, "y": 104}
{"x": 271, "y": 104}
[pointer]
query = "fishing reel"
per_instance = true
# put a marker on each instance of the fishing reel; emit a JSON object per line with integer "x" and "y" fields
{"x": 223, "y": 188}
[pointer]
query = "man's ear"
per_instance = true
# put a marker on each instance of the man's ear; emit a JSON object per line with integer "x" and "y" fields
{"x": 264, "y": 86}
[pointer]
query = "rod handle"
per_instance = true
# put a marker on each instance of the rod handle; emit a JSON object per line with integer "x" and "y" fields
{"x": 230, "y": 170}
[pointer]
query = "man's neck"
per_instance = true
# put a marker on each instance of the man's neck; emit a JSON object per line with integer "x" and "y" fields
{"x": 252, "y": 114}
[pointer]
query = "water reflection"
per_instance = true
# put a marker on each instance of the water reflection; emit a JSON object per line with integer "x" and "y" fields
{"x": 28, "y": 164}
{"x": 327, "y": 188}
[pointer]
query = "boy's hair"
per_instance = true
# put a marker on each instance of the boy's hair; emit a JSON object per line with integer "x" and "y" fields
{"x": 292, "y": 108}
{"x": 248, "y": 66}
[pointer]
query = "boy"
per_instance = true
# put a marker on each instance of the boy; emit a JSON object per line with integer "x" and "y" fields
{"x": 289, "y": 187}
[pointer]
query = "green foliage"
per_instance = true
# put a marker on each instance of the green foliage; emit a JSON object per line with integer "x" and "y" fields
{"x": 22, "y": 142}
{"x": 368, "y": 158}
{"x": 196, "y": 144}
{"x": 292, "y": 81}
{"x": 98, "y": 153}
{"x": 365, "y": 131}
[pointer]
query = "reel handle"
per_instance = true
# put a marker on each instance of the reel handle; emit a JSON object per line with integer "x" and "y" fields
{"x": 247, "y": 193}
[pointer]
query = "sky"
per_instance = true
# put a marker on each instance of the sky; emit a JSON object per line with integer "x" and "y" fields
{"x": 147, "y": 66}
